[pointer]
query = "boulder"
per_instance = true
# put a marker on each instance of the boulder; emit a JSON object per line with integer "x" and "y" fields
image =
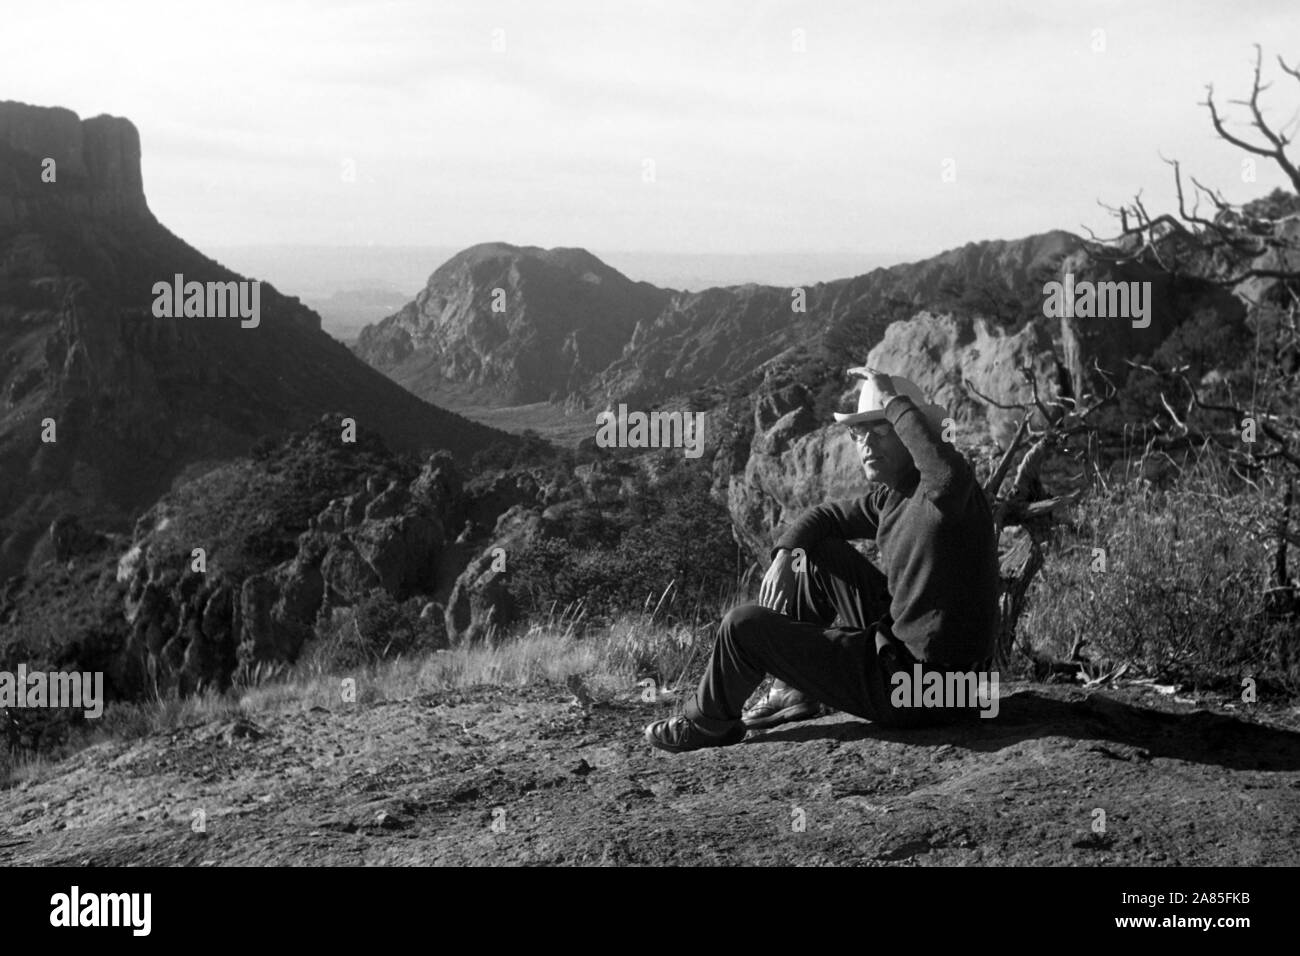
{"x": 347, "y": 575}
{"x": 480, "y": 603}
{"x": 437, "y": 490}
{"x": 258, "y": 639}
{"x": 794, "y": 463}
{"x": 388, "y": 503}
{"x": 402, "y": 552}
{"x": 938, "y": 352}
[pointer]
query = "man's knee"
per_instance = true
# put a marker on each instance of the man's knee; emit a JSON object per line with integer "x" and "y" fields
{"x": 746, "y": 619}
{"x": 751, "y": 629}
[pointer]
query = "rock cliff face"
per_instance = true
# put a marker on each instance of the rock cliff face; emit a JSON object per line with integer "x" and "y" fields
{"x": 96, "y": 166}
{"x": 941, "y": 353}
{"x": 102, "y": 404}
{"x": 793, "y": 462}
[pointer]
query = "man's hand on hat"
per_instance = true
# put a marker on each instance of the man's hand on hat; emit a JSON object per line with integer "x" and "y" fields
{"x": 883, "y": 383}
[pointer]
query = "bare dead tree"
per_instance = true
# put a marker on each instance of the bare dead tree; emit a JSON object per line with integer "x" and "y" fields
{"x": 1226, "y": 244}
{"x": 1225, "y": 230}
{"x": 1024, "y": 504}
{"x": 1276, "y": 140}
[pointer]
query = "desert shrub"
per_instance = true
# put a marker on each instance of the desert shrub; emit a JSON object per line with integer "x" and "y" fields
{"x": 1182, "y": 594}
{"x": 68, "y": 616}
{"x": 377, "y": 628}
{"x": 1206, "y": 341}
{"x": 668, "y": 533}
{"x": 528, "y": 449}
{"x": 638, "y": 648}
{"x": 250, "y": 512}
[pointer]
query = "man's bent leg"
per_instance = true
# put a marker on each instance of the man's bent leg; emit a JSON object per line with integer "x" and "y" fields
{"x": 835, "y": 665}
{"x": 835, "y": 581}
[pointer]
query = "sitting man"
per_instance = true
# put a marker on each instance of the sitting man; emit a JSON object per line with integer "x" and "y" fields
{"x": 934, "y": 607}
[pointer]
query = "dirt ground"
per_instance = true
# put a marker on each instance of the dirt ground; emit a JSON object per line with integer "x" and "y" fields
{"x": 495, "y": 776}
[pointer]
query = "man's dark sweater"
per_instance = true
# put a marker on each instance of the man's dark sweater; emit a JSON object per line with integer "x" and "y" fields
{"x": 937, "y": 549}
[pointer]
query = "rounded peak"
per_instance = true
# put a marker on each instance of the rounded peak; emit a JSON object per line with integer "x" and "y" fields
{"x": 486, "y": 250}
{"x": 573, "y": 258}
{"x": 576, "y": 261}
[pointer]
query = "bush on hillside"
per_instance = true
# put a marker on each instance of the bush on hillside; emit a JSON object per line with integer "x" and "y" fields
{"x": 377, "y": 628}
{"x": 667, "y": 533}
{"x": 1182, "y": 593}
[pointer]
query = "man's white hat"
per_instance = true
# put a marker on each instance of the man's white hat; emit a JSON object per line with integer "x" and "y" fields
{"x": 871, "y": 405}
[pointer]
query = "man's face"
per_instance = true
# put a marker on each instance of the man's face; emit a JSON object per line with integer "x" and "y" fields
{"x": 884, "y": 458}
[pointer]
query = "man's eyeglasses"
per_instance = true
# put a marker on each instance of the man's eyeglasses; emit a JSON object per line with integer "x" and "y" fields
{"x": 861, "y": 430}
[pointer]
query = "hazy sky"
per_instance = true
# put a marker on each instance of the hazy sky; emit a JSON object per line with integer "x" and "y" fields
{"x": 695, "y": 126}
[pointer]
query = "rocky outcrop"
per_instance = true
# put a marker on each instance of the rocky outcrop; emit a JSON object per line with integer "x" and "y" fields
{"x": 794, "y": 463}
{"x": 480, "y": 605}
{"x": 195, "y": 621}
{"x": 194, "y": 627}
{"x": 940, "y": 353}
{"x": 1282, "y": 256}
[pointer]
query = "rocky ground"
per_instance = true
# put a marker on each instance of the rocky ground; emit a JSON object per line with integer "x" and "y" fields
{"x": 493, "y": 776}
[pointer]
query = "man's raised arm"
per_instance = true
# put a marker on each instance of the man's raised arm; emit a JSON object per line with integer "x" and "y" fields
{"x": 944, "y": 470}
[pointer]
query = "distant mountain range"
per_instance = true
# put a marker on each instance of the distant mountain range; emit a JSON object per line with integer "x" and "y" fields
{"x": 344, "y": 314}
{"x": 510, "y": 325}
{"x": 351, "y": 286}
{"x": 136, "y": 400}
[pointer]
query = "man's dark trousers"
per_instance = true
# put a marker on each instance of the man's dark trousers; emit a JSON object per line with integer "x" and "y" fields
{"x": 847, "y": 666}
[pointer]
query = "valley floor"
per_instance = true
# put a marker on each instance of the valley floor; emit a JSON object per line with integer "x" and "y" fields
{"x": 550, "y": 421}
{"x": 493, "y": 776}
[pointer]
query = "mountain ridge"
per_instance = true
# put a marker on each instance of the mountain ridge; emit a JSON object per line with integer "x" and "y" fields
{"x": 680, "y": 342}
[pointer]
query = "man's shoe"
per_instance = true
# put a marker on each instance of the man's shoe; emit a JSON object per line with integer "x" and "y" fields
{"x": 782, "y": 705}
{"x": 679, "y": 734}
